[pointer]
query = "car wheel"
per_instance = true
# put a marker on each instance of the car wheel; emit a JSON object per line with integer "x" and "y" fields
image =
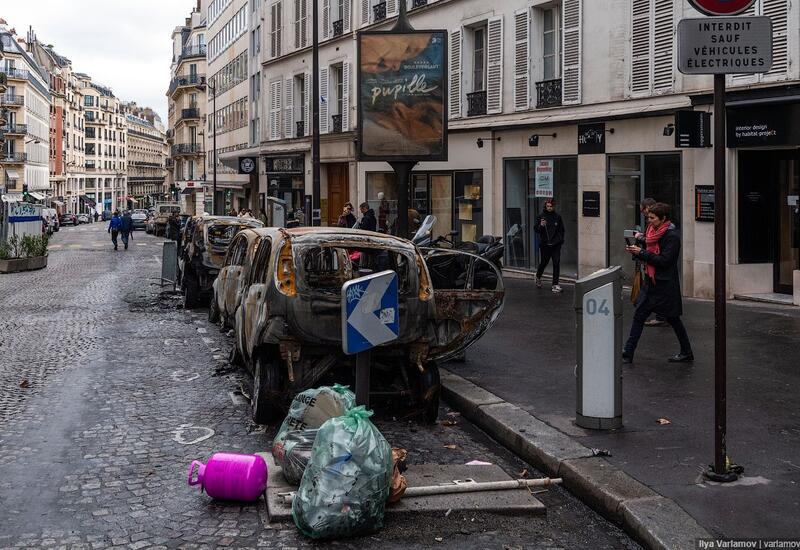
{"x": 213, "y": 310}
{"x": 269, "y": 391}
{"x": 430, "y": 393}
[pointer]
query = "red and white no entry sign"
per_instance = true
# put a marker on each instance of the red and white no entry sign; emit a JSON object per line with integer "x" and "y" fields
{"x": 721, "y": 7}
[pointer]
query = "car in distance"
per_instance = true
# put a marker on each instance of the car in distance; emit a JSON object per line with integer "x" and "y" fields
{"x": 68, "y": 219}
{"x": 83, "y": 218}
{"x": 139, "y": 218}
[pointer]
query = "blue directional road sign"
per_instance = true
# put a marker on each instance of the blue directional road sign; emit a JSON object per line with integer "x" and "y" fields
{"x": 370, "y": 312}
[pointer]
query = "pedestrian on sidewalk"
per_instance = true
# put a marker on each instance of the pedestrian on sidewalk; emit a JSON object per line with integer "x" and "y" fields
{"x": 368, "y": 220}
{"x": 126, "y": 228}
{"x": 550, "y": 228}
{"x": 114, "y": 226}
{"x": 347, "y": 219}
{"x": 661, "y": 292}
{"x": 644, "y": 208}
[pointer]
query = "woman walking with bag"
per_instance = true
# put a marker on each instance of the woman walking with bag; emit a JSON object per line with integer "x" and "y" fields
{"x": 661, "y": 289}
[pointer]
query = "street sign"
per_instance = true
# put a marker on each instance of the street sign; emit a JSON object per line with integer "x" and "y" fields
{"x": 692, "y": 129}
{"x": 722, "y": 7}
{"x": 725, "y": 45}
{"x": 248, "y": 165}
{"x": 370, "y": 312}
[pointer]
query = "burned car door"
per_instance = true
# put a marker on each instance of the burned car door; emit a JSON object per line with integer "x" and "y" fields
{"x": 233, "y": 274}
{"x": 468, "y": 292}
{"x": 254, "y": 309}
{"x": 221, "y": 282}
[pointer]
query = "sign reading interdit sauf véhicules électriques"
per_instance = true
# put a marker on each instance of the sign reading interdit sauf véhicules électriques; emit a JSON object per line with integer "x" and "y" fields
{"x": 725, "y": 45}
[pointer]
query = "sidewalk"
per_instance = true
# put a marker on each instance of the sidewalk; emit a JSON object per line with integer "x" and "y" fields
{"x": 528, "y": 360}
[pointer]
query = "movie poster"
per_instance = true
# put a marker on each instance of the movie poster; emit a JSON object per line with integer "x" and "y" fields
{"x": 403, "y": 85}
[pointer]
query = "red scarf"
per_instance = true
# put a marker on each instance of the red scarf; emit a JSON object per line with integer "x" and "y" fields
{"x": 652, "y": 237}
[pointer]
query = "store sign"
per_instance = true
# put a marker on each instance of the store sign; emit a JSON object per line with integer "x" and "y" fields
{"x": 764, "y": 126}
{"x": 591, "y": 204}
{"x": 692, "y": 129}
{"x": 402, "y": 83}
{"x": 722, "y": 7}
{"x": 248, "y": 165}
{"x": 591, "y": 139}
{"x": 704, "y": 203}
{"x": 286, "y": 164}
{"x": 543, "y": 179}
{"x": 725, "y": 45}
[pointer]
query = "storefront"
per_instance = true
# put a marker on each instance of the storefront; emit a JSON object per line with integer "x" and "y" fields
{"x": 454, "y": 197}
{"x": 768, "y": 189}
{"x": 286, "y": 180}
{"x": 528, "y": 183}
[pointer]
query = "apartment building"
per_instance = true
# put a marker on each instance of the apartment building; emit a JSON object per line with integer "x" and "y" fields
{"x": 145, "y": 155}
{"x": 187, "y": 113}
{"x": 105, "y": 146}
{"x": 580, "y": 96}
{"x": 25, "y": 154}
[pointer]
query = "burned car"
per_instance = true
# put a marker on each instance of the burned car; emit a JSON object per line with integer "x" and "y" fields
{"x": 228, "y": 286}
{"x": 205, "y": 243}
{"x": 288, "y": 322}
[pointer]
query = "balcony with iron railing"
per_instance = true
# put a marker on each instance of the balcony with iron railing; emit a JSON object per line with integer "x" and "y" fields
{"x": 418, "y": 4}
{"x": 379, "y": 12}
{"x": 13, "y": 158}
{"x": 186, "y": 80}
{"x": 16, "y": 74}
{"x": 548, "y": 93}
{"x": 15, "y": 129}
{"x": 338, "y": 27}
{"x": 187, "y": 149}
{"x": 91, "y": 165}
{"x": 337, "y": 124}
{"x": 3, "y": 82}
{"x": 300, "y": 128}
{"x": 190, "y": 113}
{"x": 198, "y": 50}
{"x": 476, "y": 103}
{"x": 12, "y": 100}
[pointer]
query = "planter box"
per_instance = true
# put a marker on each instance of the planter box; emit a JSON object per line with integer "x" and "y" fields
{"x": 15, "y": 265}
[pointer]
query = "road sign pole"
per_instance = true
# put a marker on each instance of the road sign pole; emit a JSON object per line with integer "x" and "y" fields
{"x": 362, "y": 378}
{"x": 720, "y": 283}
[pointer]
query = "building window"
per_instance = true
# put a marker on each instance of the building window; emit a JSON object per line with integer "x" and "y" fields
{"x": 275, "y": 30}
{"x": 479, "y": 60}
{"x": 300, "y": 22}
{"x": 551, "y": 38}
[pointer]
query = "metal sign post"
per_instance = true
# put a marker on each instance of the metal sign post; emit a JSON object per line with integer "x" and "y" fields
{"x": 721, "y": 46}
{"x": 370, "y": 317}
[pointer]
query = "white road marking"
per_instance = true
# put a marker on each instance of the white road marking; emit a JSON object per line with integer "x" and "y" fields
{"x": 179, "y": 434}
{"x": 181, "y": 375}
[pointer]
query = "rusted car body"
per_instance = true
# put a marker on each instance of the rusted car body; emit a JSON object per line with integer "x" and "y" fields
{"x": 229, "y": 284}
{"x": 288, "y": 316}
{"x": 205, "y": 244}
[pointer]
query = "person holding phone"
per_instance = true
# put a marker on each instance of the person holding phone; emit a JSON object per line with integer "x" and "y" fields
{"x": 550, "y": 228}
{"x": 661, "y": 293}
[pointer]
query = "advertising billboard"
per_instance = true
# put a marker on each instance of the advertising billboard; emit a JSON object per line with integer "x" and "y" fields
{"x": 402, "y": 83}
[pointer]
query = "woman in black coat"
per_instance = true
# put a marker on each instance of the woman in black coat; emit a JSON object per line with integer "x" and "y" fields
{"x": 662, "y": 287}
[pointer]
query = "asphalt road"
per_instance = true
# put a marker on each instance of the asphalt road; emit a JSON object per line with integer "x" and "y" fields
{"x": 104, "y": 381}
{"x": 537, "y": 373}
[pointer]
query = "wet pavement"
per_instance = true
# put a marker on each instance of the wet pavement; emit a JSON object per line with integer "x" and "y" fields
{"x": 108, "y": 390}
{"x": 537, "y": 374}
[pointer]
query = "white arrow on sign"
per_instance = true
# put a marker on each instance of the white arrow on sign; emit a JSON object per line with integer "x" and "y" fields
{"x": 363, "y": 317}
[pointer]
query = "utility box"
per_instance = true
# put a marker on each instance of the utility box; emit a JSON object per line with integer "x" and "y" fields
{"x": 276, "y": 212}
{"x": 169, "y": 263}
{"x": 598, "y": 310}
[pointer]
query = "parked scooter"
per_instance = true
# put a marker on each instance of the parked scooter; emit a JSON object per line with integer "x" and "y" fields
{"x": 488, "y": 247}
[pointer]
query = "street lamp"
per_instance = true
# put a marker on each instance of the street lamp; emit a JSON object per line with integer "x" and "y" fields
{"x": 213, "y": 89}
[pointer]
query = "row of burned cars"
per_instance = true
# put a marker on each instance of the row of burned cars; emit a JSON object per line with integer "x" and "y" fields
{"x": 279, "y": 291}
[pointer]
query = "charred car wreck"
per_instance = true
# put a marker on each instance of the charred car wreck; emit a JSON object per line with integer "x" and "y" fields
{"x": 281, "y": 288}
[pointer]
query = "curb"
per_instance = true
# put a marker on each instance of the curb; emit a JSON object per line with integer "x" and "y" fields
{"x": 653, "y": 520}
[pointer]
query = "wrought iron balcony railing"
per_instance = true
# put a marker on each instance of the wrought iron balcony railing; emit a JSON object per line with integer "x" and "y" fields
{"x": 19, "y": 74}
{"x": 13, "y": 157}
{"x": 187, "y": 149}
{"x": 338, "y": 27}
{"x": 15, "y": 129}
{"x": 379, "y": 12}
{"x": 192, "y": 112}
{"x": 300, "y": 128}
{"x": 548, "y": 93}
{"x": 194, "y": 51}
{"x": 418, "y": 3}
{"x": 12, "y": 100}
{"x": 337, "y": 124}
{"x": 186, "y": 80}
{"x": 476, "y": 103}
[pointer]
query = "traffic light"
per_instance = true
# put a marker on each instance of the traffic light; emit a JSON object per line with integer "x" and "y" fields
{"x": 25, "y": 192}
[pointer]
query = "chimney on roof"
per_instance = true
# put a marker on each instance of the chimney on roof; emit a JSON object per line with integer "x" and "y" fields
{"x": 31, "y": 39}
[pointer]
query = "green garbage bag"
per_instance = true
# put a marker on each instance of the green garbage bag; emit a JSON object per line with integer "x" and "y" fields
{"x": 309, "y": 410}
{"x": 346, "y": 483}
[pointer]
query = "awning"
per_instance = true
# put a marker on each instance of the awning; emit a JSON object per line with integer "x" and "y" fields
{"x": 12, "y": 174}
{"x": 57, "y": 203}
{"x": 188, "y": 191}
{"x": 88, "y": 201}
{"x": 37, "y": 196}
{"x": 132, "y": 200}
{"x": 11, "y": 197}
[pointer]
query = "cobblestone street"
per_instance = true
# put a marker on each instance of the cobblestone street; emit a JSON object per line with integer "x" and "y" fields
{"x": 109, "y": 389}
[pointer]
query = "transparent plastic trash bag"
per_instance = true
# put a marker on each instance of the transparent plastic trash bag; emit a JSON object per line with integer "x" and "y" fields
{"x": 296, "y": 453}
{"x": 309, "y": 410}
{"x": 346, "y": 483}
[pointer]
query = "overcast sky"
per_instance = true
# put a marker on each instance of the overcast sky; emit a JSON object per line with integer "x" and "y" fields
{"x": 123, "y": 44}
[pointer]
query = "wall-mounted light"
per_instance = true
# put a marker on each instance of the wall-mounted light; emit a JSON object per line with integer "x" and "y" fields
{"x": 669, "y": 129}
{"x": 479, "y": 141}
{"x": 533, "y": 141}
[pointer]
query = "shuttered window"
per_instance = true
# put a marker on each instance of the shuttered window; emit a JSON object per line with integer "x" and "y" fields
{"x": 522, "y": 63}
{"x": 494, "y": 66}
{"x": 652, "y": 46}
{"x": 307, "y": 103}
{"x": 324, "y": 111}
{"x": 326, "y": 19}
{"x": 301, "y": 23}
{"x": 288, "y": 108}
{"x": 345, "y": 98}
{"x": 275, "y": 30}
{"x": 456, "y": 77}
{"x": 275, "y": 99}
{"x": 778, "y": 11}
{"x": 572, "y": 18}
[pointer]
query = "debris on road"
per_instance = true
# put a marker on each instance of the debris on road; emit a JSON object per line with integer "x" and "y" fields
{"x": 449, "y": 422}
{"x": 231, "y": 476}
{"x": 478, "y": 463}
{"x": 25, "y": 384}
{"x": 663, "y": 421}
{"x": 600, "y": 452}
{"x": 399, "y": 482}
{"x": 451, "y": 447}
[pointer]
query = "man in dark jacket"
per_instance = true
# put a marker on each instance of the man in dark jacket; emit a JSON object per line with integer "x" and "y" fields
{"x": 550, "y": 228}
{"x": 662, "y": 287}
{"x": 113, "y": 228}
{"x": 126, "y": 227}
{"x": 368, "y": 220}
